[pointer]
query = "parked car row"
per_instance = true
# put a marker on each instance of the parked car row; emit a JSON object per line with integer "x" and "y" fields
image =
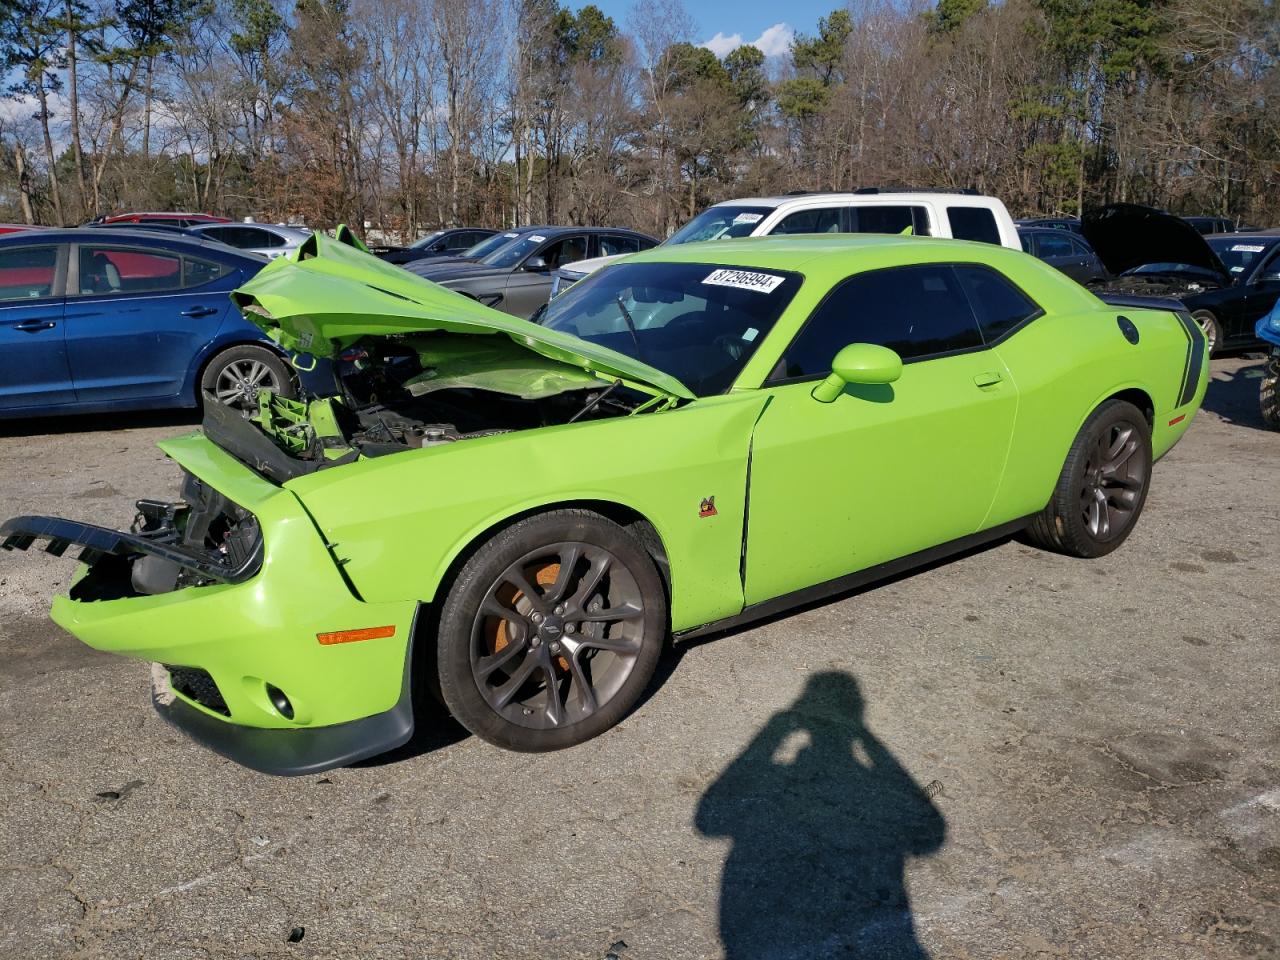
{"x": 93, "y": 321}
{"x": 162, "y": 279}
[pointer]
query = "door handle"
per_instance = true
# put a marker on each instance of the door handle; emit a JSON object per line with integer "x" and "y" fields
{"x": 31, "y": 326}
{"x": 988, "y": 379}
{"x": 198, "y": 311}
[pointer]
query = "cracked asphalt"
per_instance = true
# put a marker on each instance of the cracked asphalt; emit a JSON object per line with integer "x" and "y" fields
{"x": 1011, "y": 754}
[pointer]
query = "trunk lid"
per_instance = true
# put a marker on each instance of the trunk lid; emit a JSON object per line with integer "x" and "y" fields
{"x": 327, "y": 294}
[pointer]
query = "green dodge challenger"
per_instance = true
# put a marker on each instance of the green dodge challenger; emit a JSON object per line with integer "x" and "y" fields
{"x": 515, "y": 516}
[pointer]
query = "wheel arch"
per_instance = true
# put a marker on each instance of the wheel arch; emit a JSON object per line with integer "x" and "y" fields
{"x": 625, "y": 515}
{"x": 1137, "y": 396}
{"x": 426, "y": 626}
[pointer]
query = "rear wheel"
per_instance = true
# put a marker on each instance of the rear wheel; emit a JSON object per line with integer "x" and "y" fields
{"x": 1211, "y": 329}
{"x": 234, "y": 376}
{"x": 551, "y": 632}
{"x": 1103, "y": 485}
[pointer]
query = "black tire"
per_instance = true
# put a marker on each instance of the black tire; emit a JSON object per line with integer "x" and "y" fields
{"x": 1097, "y": 501}
{"x": 533, "y": 675}
{"x": 1269, "y": 393}
{"x": 233, "y": 376}
{"x": 1208, "y": 323}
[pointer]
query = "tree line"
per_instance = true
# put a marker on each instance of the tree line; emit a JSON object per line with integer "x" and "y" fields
{"x": 413, "y": 114}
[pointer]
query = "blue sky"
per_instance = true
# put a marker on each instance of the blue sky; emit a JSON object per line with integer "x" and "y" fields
{"x": 723, "y": 24}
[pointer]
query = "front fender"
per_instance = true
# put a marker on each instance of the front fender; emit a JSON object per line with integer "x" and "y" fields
{"x": 397, "y": 523}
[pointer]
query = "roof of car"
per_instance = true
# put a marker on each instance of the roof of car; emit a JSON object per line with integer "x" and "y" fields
{"x": 969, "y": 199}
{"x": 794, "y": 251}
{"x": 139, "y": 234}
{"x": 283, "y": 227}
{"x": 557, "y": 231}
{"x": 1268, "y": 236}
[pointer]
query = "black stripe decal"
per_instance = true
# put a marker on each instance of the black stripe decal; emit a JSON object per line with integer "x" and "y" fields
{"x": 1195, "y": 357}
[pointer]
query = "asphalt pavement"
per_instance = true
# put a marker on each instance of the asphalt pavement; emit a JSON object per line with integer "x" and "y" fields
{"x": 1010, "y": 754}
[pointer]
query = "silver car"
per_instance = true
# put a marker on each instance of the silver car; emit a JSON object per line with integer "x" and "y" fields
{"x": 270, "y": 240}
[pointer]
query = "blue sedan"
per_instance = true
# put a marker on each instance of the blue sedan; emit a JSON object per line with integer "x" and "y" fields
{"x": 132, "y": 320}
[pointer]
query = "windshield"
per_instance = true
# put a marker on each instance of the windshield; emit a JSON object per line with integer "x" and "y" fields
{"x": 425, "y": 241}
{"x": 720, "y": 223}
{"x": 1150, "y": 268}
{"x": 698, "y": 322}
{"x": 1238, "y": 255}
{"x": 514, "y": 250}
{"x": 490, "y": 244}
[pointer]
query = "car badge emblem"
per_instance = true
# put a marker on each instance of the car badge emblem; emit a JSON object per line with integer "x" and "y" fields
{"x": 708, "y": 508}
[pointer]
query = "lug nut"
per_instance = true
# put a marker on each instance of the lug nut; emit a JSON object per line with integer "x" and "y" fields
{"x": 570, "y": 628}
{"x": 537, "y": 618}
{"x": 555, "y": 648}
{"x": 560, "y": 609}
{"x": 536, "y": 641}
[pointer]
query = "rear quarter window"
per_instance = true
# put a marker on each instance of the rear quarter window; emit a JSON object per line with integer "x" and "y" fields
{"x": 999, "y": 306}
{"x": 974, "y": 223}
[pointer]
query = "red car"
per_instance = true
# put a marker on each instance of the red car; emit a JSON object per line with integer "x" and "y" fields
{"x": 16, "y": 227}
{"x": 173, "y": 219}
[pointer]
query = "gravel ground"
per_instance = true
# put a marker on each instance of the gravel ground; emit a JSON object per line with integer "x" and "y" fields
{"x": 1012, "y": 754}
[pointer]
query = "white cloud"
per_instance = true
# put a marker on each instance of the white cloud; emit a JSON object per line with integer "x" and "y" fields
{"x": 775, "y": 41}
{"x": 721, "y": 44}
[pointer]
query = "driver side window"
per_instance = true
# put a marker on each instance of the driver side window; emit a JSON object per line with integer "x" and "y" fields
{"x": 568, "y": 250}
{"x": 919, "y": 312}
{"x": 1269, "y": 272}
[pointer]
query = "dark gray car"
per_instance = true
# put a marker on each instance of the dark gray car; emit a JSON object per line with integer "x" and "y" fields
{"x": 516, "y": 278}
{"x": 1065, "y": 250}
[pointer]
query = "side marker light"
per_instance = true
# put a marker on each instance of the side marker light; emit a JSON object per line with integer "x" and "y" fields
{"x": 351, "y": 636}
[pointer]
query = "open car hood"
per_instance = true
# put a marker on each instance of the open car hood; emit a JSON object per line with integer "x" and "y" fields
{"x": 1126, "y": 235}
{"x": 329, "y": 293}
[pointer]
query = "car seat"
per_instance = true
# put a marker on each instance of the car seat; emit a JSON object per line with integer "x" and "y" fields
{"x": 103, "y": 276}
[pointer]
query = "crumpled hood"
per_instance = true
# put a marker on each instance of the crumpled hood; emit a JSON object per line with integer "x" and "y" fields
{"x": 327, "y": 294}
{"x": 1126, "y": 235}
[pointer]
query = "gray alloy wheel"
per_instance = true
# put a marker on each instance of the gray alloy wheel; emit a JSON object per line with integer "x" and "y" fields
{"x": 553, "y": 650}
{"x": 1210, "y": 327}
{"x": 1114, "y": 480}
{"x": 551, "y": 631}
{"x": 1103, "y": 485}
{"x": 234, "y": 377}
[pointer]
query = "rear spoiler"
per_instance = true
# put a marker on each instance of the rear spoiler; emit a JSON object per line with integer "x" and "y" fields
{"x": 1140, "y": 302}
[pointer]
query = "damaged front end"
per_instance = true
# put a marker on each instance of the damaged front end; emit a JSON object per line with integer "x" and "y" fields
{"x": 203, "y": 539}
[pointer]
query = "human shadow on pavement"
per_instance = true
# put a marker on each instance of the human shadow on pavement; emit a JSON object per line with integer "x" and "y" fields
{"x": 822, "y": 819}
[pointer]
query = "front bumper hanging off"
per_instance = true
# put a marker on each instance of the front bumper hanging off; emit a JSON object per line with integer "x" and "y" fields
{"x": 19, "y": 533}
{"x": 242, "y": 635}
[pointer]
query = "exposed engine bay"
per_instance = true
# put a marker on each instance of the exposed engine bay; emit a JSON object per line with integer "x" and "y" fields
{"x": 406, "y": 393}
{"x": 1154, "y": 285}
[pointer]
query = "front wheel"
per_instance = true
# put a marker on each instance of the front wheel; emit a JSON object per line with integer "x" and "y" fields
{"x": 234, "y": 376}
{"x": 1103, "y": 485}
{"x": 551, "y": 632}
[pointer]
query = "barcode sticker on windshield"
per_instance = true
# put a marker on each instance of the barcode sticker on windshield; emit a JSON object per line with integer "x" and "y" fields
{"x": 744, "y": 280}
{"x": 513, "y": 235}
{"x": 1248, "y": 248}
{"x": 537, "y": 239}
{"x": 748, "y": 218}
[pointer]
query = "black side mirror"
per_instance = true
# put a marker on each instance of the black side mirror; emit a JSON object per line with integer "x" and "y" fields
{"x": 537, "y": 265}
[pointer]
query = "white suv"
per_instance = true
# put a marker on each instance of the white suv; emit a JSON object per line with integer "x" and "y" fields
{"x": 962, "y": 216}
